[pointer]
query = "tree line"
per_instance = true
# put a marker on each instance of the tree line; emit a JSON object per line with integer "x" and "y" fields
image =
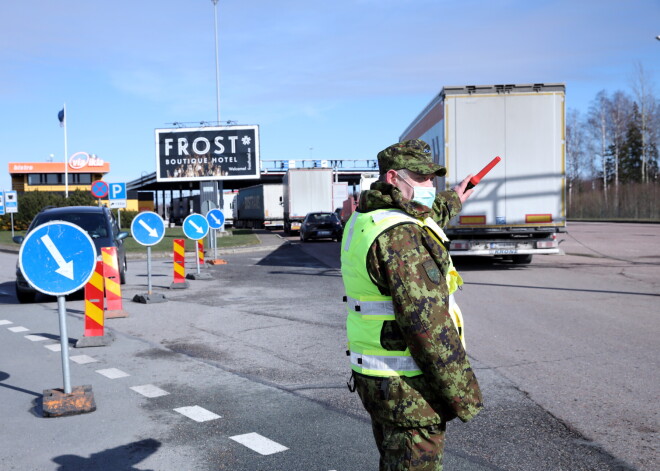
{"x": 612, "y": 164}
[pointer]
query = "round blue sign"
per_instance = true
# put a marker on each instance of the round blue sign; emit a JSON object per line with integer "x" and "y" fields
{"x": 216, "y": 218}
{"x": 99, "y": 189}
{"x": 57, "y": 258}
{"x": 148, "y": 228}
{"x": 195, "y": 226}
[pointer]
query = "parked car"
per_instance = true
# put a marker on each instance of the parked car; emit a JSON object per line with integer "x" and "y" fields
{"x": 99, "y": 223}
{"x": 320, "y": 226}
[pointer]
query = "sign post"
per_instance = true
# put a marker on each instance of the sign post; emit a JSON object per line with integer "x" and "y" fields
{"x": 11, "y": 206}
{"x": 117, "y": 197}
{"x": 99, "y": 190}
{"x": 196, "y": 227}
{"x": 148, "y": 228}
{"x": 58, "y": 258}
{"x": 216, "y": 220}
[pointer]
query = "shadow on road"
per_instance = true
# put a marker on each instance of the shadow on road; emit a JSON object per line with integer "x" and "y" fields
{"x": 123, "y": 457}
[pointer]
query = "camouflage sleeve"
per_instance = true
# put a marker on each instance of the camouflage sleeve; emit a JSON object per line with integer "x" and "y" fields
{"x": 403, "y": 266}
{"x": 447, "y": 204}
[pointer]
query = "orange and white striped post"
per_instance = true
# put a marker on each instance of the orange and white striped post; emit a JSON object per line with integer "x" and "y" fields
{"x": 94, "y": 333}
{"x": 112, "y": 283}
{"x": 179, "y": 265}
{"x": 200, "y": 252}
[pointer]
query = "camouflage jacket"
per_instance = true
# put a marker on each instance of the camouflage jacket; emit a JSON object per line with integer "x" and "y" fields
{"x": 409, "y": 265}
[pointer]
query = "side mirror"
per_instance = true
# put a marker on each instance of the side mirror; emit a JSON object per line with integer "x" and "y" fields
{"x": 122, "y": 235}
{"x": 18, "y": 239}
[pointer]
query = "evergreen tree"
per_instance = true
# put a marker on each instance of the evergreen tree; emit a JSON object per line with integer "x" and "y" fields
{"x": 631, "y": 150}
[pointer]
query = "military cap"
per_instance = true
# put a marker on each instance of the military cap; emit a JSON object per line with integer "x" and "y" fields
{"x": 413, "y": 155}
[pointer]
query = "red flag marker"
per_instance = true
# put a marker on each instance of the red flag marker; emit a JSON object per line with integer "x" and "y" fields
{"x": 477, "y": 178}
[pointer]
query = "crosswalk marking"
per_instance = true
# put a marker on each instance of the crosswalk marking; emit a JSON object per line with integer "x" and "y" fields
{"x": 56, "y": 347}
{"x": 259, "y": 443}
{"x": 18, "y": 329}
{"x": 5, "y": 322}
{"x": 112, "y": 373}
{"x": 149, "y": 390}
{"x": 198, "y": 414}
{"x": 36, "y": 338}
{"x": 82, "y": 359}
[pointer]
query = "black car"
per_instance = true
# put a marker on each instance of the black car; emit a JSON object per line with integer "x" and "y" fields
{"x": 320, "y": 226}
{"x": 98, "y": 222}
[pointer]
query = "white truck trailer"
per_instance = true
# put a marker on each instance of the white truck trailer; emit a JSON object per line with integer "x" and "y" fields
{"x": 259, "y": 206}
{"x": 228, "y": 201}
{"x": 306, "y": 191}
{"x": 519, "y": 207}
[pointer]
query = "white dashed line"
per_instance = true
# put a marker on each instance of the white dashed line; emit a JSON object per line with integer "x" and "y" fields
{"x": 149, "y": 390}
{"x": 36, "y": 338}
{"x": 112, "y": 373}
{"x": 18, "y": 329}
{"x": 56, "y": 347}
{"x": 259, "y": 443}
{"x": 5, "y": 322}
{"x": 82, "y": 359}
{"x": 198, "y": 414}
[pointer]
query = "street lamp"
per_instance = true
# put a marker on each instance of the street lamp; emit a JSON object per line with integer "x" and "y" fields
{"x": 217, "y": 66}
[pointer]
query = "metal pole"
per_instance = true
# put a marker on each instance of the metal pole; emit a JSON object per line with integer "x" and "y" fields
{"x": 66, "y": 157}
{"x": 12, "y": 224}
{"x": 215, "y": 245}
{"x": 197, "y": 258}
{"x": 64, "y": 342}
{"x": 217, "y": 66}
{"x": 149, "y": 269}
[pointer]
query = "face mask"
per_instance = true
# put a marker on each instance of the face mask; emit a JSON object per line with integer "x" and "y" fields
{"x": 422, "y": 194}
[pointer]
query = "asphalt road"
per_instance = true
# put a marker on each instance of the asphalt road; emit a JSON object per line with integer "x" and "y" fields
{"x": 565, "y": 350}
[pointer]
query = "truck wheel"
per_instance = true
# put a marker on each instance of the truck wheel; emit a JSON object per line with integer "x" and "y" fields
{"x": 522, "y": 259}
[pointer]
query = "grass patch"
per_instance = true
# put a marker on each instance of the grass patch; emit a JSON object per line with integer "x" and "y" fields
{"x": 239, "y": 237}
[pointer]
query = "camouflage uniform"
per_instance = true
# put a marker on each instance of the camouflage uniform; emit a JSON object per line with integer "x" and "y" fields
{"x": 409, "y": 413}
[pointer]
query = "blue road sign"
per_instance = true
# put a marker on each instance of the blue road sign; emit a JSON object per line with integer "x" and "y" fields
{"x": 2, "y": 203}
{"x": 148, "y": 228}
{"x": 195, "y": 226}
{"x": 117, "y": 191}
{"x": 99, "y": 189}
{"x": 57, "y": 258}
{"x": 215, "y": 218}
{"x": 11, "y": 201}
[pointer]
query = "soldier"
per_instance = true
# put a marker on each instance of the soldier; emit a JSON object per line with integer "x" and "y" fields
{"x": 404, "y": 330}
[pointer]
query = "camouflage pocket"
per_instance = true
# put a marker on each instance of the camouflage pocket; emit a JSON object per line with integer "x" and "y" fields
{"x": 432, "y": 271}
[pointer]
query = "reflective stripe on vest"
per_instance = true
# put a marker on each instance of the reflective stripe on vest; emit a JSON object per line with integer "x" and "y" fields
{"x": 383, "y": 365}
{"x": 371, "y": 308}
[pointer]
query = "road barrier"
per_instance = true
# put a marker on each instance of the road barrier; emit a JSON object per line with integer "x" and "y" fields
{"x": 179, "y": 265}
{"x": 200, "y": 252}
{"x": 94, "y": 334}
{"x": 112, "y": 283}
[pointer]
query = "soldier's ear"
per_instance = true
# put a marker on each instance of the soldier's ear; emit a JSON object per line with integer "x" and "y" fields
{"x": 391, "y": 177}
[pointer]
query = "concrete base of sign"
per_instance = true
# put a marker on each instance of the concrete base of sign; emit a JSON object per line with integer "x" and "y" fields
{"x": 199, "y": 276}
{"x": 95, "y": 341}
{"x": 217, "y": 261}
{"x": 58, "y": 404}
{"x": 180, "y": 285}
{"x": 115, "y": 313}
{"x": 149, "y": 298}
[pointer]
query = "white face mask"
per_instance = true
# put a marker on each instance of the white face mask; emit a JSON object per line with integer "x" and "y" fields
{"x": 422, "y": 194}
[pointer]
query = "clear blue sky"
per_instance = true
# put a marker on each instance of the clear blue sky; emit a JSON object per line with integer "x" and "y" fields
{"x": 344, "y": 77}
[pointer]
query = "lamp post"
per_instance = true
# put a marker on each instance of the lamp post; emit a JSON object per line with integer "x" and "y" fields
{"x": 217, "y": 66}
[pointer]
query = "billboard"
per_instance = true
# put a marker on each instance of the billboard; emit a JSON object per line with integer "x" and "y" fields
{"x": 210, "y": 153}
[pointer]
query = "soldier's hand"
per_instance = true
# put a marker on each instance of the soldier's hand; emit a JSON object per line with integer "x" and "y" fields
{"x": 464, "y": 194}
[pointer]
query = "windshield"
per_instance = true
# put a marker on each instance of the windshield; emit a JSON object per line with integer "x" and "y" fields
{"x": 94, "y": 224}
{"x": 326, "y": 217}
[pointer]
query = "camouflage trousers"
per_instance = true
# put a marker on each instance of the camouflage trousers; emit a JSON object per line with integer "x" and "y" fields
{"x": 410, "y": 449}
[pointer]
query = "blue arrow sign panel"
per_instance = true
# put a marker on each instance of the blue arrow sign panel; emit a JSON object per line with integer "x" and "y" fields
{"x": 148, "y": 228}
{"x": 57, "y": 258}
{"x": 117, "y": 191}
{"x": 195, "y": 226}
{"x": 216, "y": 218}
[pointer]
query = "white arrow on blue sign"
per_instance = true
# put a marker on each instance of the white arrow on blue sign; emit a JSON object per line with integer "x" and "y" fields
{"x": 57, "y": 258}
{"x": 215, "y": 218}
{"x": 148, "y": 228}
{"x": 195, "y": 226}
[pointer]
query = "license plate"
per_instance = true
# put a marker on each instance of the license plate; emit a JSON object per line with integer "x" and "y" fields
{"x": 504, "y": 252}
{"x": 502, "y": 245}
{"x": 295, "y": 226}
{"x": 324, "y": 233}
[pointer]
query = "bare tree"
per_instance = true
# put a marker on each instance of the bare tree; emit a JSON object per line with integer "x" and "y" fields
{"x": 643, "y": 91}
{"x": 576, "y": 151}
{"x": 599, "y": 127}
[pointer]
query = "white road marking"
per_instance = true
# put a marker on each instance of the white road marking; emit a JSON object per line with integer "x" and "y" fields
{"x": 112, "y": 373}
{"x": 56, "y": 347}
{"x": 5, "y": 322}
{"x": 36, "y": 338}
{"x": 83, "y": 359}
{"x": 18, "y": 329}
{"x": 259, "y": 443}
{"x": 149, "y": 390}
{"x": 198, "y": 414}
